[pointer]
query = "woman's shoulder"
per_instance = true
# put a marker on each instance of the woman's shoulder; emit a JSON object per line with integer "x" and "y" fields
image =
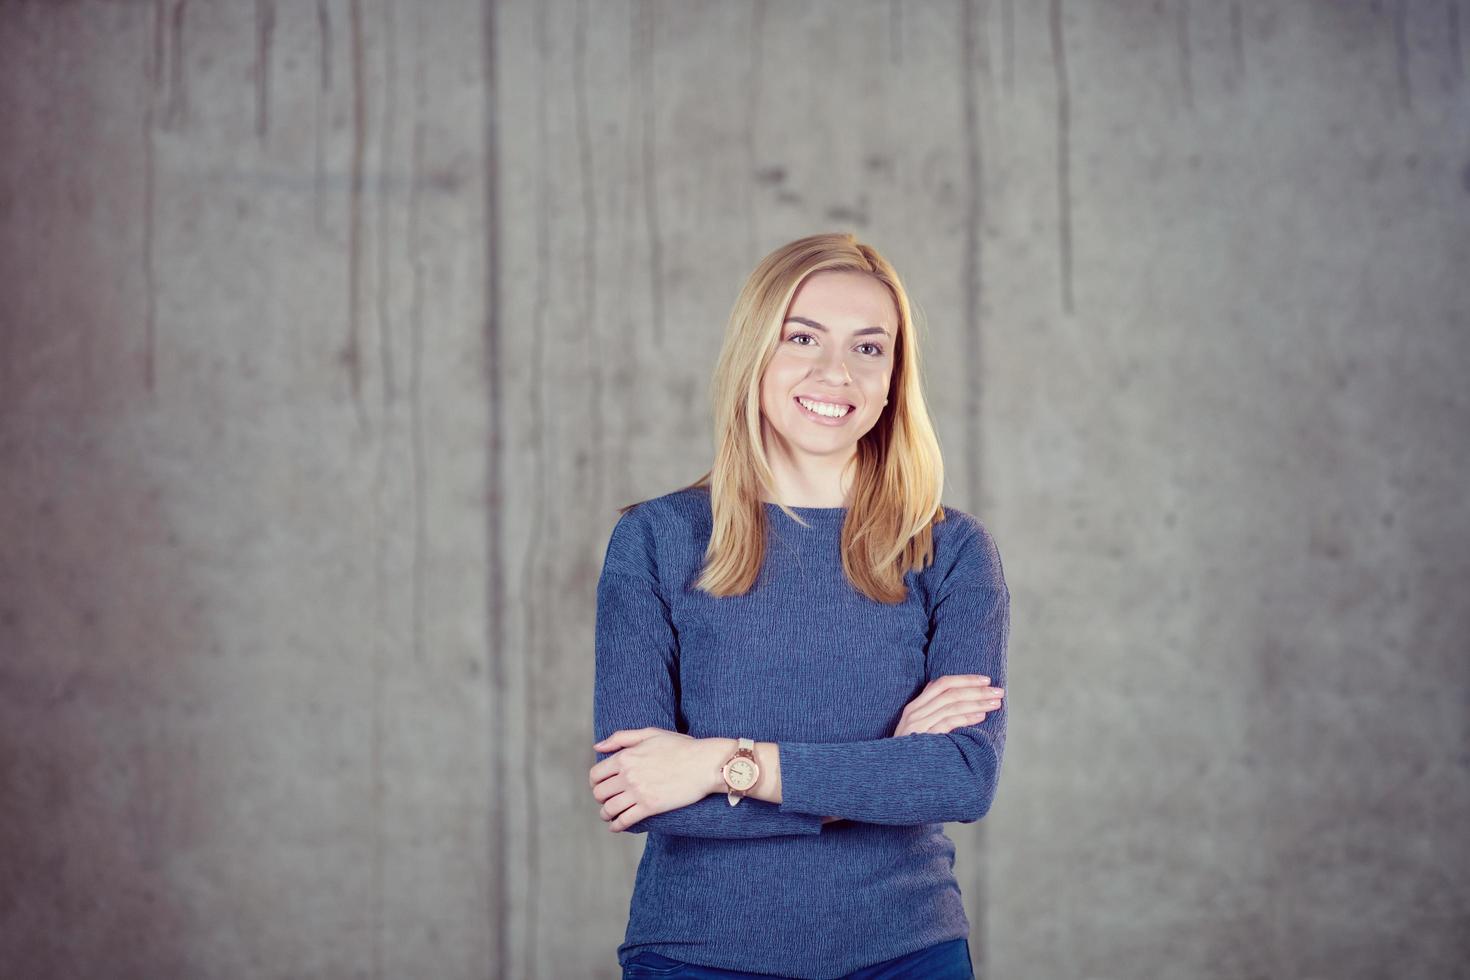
{"x": 685, "y": 506}
{"x": 965, "y": 552}
{"x": 959, "y": 527}
{"x": 658, "y": 526}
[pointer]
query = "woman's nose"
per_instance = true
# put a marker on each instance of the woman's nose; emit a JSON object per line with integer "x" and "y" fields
{"x": 834, "y": 366}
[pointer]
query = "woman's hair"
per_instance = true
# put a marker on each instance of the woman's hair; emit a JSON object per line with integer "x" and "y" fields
{"x": 896, "y": 489}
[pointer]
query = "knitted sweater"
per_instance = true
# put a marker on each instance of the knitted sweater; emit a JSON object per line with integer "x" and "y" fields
{"x": 807, "y": 661}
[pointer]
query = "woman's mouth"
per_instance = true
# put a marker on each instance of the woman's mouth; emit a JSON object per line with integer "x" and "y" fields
{"x": 823, "y": 413}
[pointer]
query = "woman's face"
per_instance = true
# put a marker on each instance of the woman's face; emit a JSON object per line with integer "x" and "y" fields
{"x": 836, "y": 349}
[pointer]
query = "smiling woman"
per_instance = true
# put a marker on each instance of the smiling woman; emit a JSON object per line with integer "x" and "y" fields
{"x": 834, "y": 373}
{"x": 796, "y": 653}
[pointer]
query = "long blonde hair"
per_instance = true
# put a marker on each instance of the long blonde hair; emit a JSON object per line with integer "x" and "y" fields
{"x": 895, "y": 498}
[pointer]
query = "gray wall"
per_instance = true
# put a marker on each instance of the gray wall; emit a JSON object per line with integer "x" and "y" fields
{"x": 332, "y": 333}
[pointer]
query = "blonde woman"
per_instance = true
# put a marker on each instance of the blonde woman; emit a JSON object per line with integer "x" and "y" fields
{"x": 799, "y": 656}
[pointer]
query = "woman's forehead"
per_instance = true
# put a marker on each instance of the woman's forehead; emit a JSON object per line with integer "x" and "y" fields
{"x": 844, "y": 301}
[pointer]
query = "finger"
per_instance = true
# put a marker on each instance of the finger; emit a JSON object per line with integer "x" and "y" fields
{"x": 957, "y": 681}
{"x": 608, "y": 787}
{"x": 966, "y": 712}
{"x": 989, "y": 704}
{"x": 626, "y": 737}
{"x": 610, "y": 766}
{"x": 627, "y": 818}
{"x": 940, "y": 686}
{"x": 951, "y": 704}
{"x": 963, "y": 678}
{"x": 614, "y": 805}
{"x": 607, "y": 767}
{"x": 616, "y": 738}
{"x": 948, "y": 723}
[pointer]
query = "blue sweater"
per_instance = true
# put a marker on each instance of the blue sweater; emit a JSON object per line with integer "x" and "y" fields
{"x": 810, "y": 663}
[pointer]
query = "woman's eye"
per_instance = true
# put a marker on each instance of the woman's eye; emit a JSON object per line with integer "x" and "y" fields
{"x": 877, "y": 349}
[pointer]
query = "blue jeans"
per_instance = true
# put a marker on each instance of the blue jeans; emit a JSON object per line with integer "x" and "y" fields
{"x": 944, "y": 961}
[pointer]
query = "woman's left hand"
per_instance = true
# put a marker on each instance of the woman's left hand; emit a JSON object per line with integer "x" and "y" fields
{"x": 651, "y": 770}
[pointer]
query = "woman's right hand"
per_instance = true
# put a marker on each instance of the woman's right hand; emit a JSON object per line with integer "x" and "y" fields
{"x": 947, "y": 703}
{"x": 950, "y": 702}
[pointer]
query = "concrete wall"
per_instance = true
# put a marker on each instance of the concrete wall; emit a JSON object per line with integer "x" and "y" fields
{"x": 331, "y": 333}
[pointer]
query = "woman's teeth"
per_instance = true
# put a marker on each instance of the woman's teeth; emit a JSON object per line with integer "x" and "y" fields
{"x": 824, "y": 408}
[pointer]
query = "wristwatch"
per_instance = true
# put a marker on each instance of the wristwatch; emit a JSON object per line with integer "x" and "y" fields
{"x": 740, "y": 771}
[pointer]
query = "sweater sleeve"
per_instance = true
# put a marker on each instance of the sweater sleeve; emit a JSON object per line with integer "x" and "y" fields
{"x": 636, "y": 686}
{"x": 922, "y": 777}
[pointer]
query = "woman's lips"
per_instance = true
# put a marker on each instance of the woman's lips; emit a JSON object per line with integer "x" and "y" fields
{"x": 821, "y": 419}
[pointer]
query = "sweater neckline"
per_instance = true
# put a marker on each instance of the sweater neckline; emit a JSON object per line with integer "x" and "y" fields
{"x": 818, "y": 513}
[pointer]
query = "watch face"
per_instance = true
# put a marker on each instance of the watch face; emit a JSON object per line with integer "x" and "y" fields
{"x": 740, "y": 773}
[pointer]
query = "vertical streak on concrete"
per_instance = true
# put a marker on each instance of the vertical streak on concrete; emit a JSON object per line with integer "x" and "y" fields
{"x": 1064, "y": 149}
{"x": 643, "y": 58}
{"x": 416, "y": 341}
{"x": 1008, "y": 44}
{"x": 154, "y": 78}
{"x": 495, "y": 830}
{"x": 381, "y": 544}
{"x": 265, "y": 28}
{"x": 1237, "y": 43}
{"x": 589, "y": 486}
{"x": 1186, "y": 69}
{"x": 895, "y": 32}
{"x": 379, "y": 787}
{"x": 532, "y": 567}
{"x": 418, "y": 462}
{"x": 378, "y": 888}
{"x": 159, "y": 46}
{"x": 753, "y": 89}
{"x": 351, "y": 355}
{"x": 625, "y": 272}
{"x": 178, "y": 98}
{"x": 627, "y": 352}
{"x": 324, "y": 48}
{"x": 384, "y": 196}
{"x": 973, "y": 267}
{"x": 159, "y": 52}
{"x": 1457, "y": 52}
{"x": 1401, "y": 53}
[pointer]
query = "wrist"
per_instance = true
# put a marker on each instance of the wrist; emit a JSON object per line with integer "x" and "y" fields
{"x": 720, "y": 751}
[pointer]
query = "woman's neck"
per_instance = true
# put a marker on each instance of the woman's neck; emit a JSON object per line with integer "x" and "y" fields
{"x": 812, "y": 485}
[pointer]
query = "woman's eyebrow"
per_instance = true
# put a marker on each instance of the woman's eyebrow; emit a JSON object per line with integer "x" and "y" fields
{"x": 818, "y": 326}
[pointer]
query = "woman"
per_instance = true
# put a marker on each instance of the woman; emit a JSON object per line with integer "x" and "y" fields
{"x": 798, "y": 655}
